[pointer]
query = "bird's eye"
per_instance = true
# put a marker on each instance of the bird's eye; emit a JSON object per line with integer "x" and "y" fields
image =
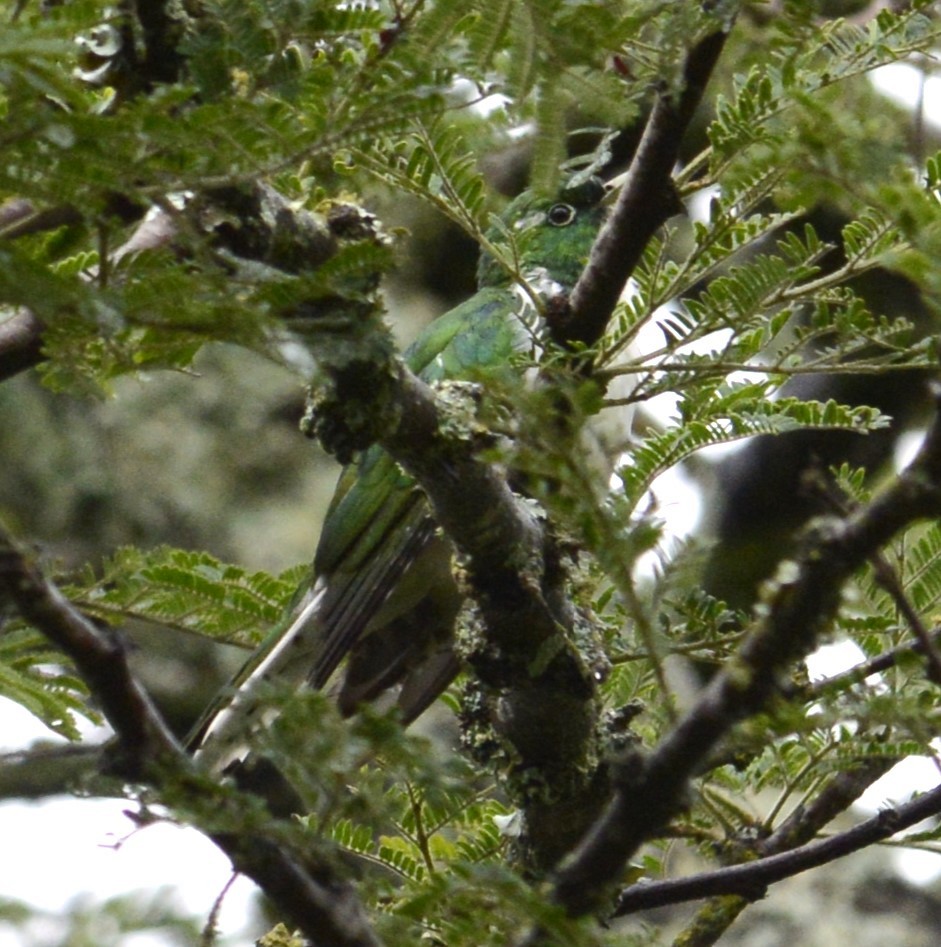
{"x": 560, "y": 215}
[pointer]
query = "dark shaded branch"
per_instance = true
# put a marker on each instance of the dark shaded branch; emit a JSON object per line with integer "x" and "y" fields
{"x": 803, "y": 604}
{"x": 20, "y": 343}
{"x": 258, "y": 223}
{"x": 309, "y": 890}
{"x": 799, "y": 828}
{"x": 327, "y": 910}
{"x": 751, "y": 879}
{"x": 98, "y": 656}
{"x": 646, "y": 201}
{"x": 162, "y": 31}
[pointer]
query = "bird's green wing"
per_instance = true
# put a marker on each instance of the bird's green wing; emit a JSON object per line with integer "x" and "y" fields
{"x": 378, "y": 566}
{"x": 378, "y": 525}
{"x": 372, "y": 494}
{"x": 478, "y": 335}
{"x": 379, "y": 521}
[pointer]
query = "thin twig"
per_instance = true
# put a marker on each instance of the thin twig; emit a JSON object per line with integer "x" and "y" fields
{"x": 878, "y": 664}
{"x": 886, "y": 577}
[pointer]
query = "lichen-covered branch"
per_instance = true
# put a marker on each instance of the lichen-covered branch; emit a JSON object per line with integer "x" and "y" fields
{"x": 535, "y": 682}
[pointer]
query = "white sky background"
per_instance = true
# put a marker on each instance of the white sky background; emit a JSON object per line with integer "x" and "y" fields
{"x": 58, "y": 850}
{"x": 65, "y": 849}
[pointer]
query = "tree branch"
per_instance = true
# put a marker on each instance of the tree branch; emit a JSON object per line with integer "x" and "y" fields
{"x": 718, "y": 914}
{"x": 805, "y": 600}
{"x": 878, "y": 664}
{"x": 308, "y": 889}
{"x": 751, "y": 879}
{"x": 162, "y": 24}
{"x": 645, "y": 202}
{"x": 250, "y": 225}
{"x": 20, "y": 218}
{"x": 885, "y": 576}
{"x": 48, "y": 770}
{"x": 529, "y": 666}
{"x": 20, "y": 343}
{"x": 143, "y": 737}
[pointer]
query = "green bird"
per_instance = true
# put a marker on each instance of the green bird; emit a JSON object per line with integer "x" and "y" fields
{"x": 382, "y": 594}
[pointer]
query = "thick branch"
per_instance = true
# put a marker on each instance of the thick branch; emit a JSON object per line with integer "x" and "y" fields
{"x": 800, "y": 609}
{"x": 518, "y": 641}
{"x": 309, "y": 891}
{"x": 472, "y": 501}
{"x": 536, "y": 680}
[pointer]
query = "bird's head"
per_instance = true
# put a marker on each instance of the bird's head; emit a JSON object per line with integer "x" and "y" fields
{"x": 552, "y": 235}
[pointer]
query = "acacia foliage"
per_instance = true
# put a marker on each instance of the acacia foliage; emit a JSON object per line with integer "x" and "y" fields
{"x": 328, "y": 100}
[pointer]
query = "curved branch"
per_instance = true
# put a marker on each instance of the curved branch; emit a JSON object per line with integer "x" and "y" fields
{"x": 143, "y": 736}
{"x": 20, "y": 343}
{"x": 309, "y": 889}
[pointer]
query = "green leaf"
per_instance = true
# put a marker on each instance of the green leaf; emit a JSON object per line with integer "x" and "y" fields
{"x": 729, "y": 414}
{"x": 191, "y": 591}
{"x": 39, "y": 679}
